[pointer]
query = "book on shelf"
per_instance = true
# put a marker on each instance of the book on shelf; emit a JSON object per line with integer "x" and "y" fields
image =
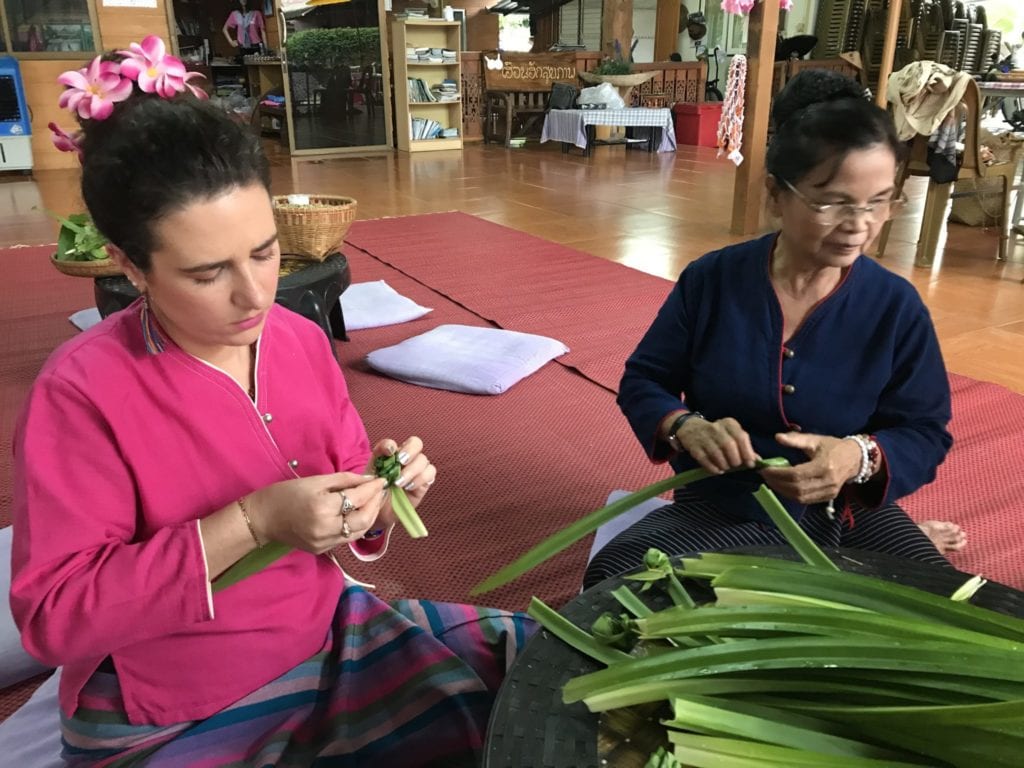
{"x": 418, "y": 91}
{"x": 445, "y": 91}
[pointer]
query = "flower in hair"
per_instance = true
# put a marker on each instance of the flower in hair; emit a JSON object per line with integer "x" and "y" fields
{"x": 93, "y": 91}
{"x": 155, "y": 70}
{"x": 64, "y": 141}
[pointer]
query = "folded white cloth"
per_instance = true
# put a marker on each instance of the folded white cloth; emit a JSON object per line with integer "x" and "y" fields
{"x": 15, "y": 663}
{"x": 371, "y": 305}
{"x": 84, "y": 319}
{"x": 30, "y": 738}
{"x": 463, "y": 358}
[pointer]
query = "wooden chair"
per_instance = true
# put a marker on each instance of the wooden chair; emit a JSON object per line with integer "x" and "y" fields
{"x": 938, "y": 196}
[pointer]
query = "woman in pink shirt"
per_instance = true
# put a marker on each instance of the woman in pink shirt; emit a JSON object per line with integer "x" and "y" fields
{"x": 166, "y": 443}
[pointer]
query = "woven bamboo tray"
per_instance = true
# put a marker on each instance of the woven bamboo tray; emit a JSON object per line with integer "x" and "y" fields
{"x": 93, "y": 268}
{"x": 316, "y": 230}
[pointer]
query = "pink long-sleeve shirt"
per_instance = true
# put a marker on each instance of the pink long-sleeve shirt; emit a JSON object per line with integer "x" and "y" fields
{"x": 118, "y": 454}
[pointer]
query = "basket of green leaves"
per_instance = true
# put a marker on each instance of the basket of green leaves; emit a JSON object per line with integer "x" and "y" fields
{"x": 82, "y": 249}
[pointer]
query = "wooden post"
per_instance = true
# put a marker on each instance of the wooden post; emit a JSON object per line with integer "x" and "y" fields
{"x": 749, "y": 188}
{"x": 617, "y": 24}
{"x": 892, "y": 26}
{"x": 666, "y": 29}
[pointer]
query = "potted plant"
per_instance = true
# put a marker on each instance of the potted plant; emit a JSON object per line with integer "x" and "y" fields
{"x": 618, "y": 72}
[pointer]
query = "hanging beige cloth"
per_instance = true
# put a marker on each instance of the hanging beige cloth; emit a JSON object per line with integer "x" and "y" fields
{"x": 922, "y": 94}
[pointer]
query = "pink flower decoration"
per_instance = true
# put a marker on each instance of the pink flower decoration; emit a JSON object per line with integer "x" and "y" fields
{"x": 93, "y": 91}
{"x": 199, "y": 93}
{"x": 786, "y": 5}
{"x": 155, "y": 70}
{"x": 66, "y": 142}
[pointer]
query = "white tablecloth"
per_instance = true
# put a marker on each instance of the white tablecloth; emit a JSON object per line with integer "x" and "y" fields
{"x": 569, "y": 125}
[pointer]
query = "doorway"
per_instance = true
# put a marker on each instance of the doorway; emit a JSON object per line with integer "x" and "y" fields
{"x": 335, "y": 77}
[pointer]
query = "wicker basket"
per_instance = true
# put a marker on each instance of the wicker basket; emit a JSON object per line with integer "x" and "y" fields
{"x": 316, "y": 230}
{"x": 94, "y": 268}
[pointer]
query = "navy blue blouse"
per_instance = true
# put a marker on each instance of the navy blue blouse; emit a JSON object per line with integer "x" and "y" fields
{"x": 865, "y": 360}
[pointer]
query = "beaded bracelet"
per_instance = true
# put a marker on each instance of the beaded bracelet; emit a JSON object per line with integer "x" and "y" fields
{"x": 868, "y": 452}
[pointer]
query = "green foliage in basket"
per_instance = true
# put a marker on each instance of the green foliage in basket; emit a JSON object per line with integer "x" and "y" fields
{"x": 800, "y": 664}
{"x": 612, "y": 67}
{"x": 79, "y": 240}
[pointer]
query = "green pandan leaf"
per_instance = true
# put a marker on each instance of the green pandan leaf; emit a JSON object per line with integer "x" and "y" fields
{"x": 572, "y": 533}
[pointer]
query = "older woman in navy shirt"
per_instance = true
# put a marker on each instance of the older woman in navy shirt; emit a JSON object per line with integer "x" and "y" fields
{"x": 796, "y": 345}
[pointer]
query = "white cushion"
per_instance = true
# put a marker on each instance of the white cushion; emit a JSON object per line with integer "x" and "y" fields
{"x": 15, "y": 664}
{"x": 30, "y": 738}
{"x": 371, "y": 305}
{"x": 463, "y": 358}
{"x": 614, "y": 527}
{"x": 84, "y": 319}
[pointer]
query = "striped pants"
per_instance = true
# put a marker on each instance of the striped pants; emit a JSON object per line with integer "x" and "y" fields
{"x": 690, "y": 524}
{"x": 405, "y": 685}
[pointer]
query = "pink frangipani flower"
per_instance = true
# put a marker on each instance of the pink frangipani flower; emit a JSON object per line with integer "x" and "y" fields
{"x": 64, "y": 141}
{"x": 155, "y": 70}
{"x": 199, "y": 93}
{"x": 93, "y": 91}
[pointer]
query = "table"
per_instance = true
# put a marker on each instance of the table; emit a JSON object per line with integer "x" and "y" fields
{"x": 575, "y": 126}
{"x": 313, "y": 291}
{"x": 530, "y": 724}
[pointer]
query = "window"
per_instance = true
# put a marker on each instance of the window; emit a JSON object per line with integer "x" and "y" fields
{"x": 48, "y": 26}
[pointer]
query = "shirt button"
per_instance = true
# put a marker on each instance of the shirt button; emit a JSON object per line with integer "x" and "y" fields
{"x": 789, "y": 389}
{"x": 293, "y": 463}
{"x": 788, "y": 353}
{"x": 267, "y": 417}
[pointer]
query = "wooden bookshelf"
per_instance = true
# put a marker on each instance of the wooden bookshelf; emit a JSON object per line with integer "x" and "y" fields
{"x": 421, "y": 33}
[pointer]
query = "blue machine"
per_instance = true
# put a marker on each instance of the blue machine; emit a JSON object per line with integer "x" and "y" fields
{"x": 15, "y": 127}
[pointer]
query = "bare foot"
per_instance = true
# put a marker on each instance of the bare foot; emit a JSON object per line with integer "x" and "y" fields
{"x": 946, "y": 536}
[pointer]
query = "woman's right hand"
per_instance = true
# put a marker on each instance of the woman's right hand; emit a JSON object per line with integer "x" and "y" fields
{"x": 306, "y": 513}
{"x": 718, "y": 446}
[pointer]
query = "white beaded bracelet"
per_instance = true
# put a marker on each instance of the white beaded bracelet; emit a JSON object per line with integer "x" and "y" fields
{"x": 867, "y": 448}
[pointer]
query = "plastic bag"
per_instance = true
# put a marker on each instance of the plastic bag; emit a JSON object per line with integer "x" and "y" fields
{"x": 604, "y": 93}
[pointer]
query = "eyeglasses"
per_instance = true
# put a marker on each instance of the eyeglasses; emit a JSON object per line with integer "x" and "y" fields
{"x": 832, "y": 214}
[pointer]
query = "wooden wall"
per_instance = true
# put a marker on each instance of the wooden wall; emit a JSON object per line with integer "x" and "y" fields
{"x": 117, "y": 28}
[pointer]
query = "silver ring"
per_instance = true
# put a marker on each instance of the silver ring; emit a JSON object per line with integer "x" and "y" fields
{"x": 346, "y": 504}
{"x": 346, "y": 532}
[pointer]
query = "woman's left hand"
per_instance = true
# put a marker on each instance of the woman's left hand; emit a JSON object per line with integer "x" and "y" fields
{"x": 418, "y": 474}
{"x": 833, "y": 463}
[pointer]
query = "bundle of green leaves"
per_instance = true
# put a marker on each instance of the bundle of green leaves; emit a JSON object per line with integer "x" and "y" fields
{"x": 801, "y": 664}
{"x": 79, "y": 240}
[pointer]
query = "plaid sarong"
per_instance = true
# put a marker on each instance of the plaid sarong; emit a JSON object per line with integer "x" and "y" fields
{"x": 407, "y": 684}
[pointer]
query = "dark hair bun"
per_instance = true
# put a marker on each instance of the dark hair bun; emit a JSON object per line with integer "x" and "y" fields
{"x": 810, "y": 87}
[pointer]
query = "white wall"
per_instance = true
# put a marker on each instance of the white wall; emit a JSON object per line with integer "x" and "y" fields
{"x": 645, "y": 16}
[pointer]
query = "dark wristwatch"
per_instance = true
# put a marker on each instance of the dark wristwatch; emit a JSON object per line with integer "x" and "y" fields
{"x": 672, "y": 439}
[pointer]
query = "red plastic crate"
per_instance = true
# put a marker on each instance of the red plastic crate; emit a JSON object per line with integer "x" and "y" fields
{"x": 698, "y": 123}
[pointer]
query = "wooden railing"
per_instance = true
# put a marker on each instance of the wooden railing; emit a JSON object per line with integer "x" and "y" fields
{"x": 676, "y": 81}
{"x": 679, "y": 82}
